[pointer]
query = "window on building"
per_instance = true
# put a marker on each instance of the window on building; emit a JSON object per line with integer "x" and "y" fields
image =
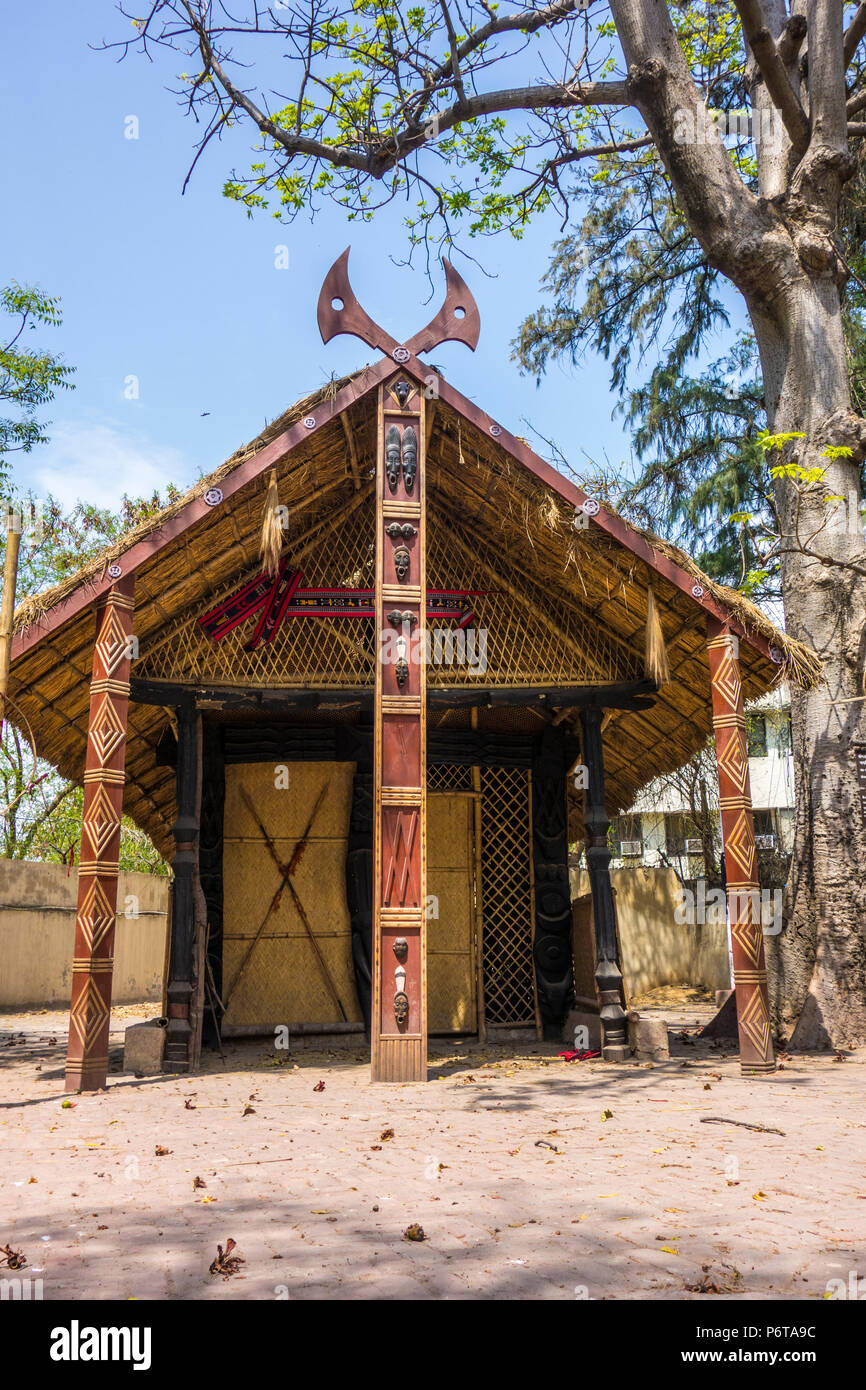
{"x": 756, "y": 735}
{"x": 681, "y": 835}
{"x": 765, "y": 830}
{"x": 628, "y": 839}
{"x": 784, "y": 726}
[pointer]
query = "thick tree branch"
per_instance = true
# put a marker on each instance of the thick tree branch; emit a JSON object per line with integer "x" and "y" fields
{"x": 791, "y": 39}
{"x": 856, "y": 103}
{"x": 827, "y": 77}
{"x": 854, "y": 33}
{"x": 724, "y": 215}
{"x": 772, "y": 69}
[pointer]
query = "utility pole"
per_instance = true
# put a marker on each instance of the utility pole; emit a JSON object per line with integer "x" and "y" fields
{"x": 14, "y": 527}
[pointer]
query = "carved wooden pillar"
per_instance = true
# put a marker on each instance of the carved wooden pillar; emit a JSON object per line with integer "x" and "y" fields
{"x": 398, "y": 1034}
{"x": 738, "y": 838}
{"x": 181, "y": 972}
{"x": 608, "y": 976}
{"x": 552, "y": 952}
{"x": 210, "y": 868}
{"x": 93, "y": 959}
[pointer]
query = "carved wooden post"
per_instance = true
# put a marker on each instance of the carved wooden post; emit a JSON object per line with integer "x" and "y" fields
{"x": 398, "y": 1033}
{"x": 738, "y": 838}
{"x": 608, "y": 975}
{"x": 552, "y": 952}
{"x": 176, "y": 1057}
{"x": 93, "y": 958}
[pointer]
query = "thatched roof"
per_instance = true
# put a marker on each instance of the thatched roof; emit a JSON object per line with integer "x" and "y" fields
{"x": 565, "y": 606}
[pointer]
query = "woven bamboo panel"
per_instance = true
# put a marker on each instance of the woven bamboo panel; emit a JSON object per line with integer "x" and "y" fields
{"x": 283, "y": 981}
{"x": 506, "y": 876}
{"x": 328, "y": 652}
{"x": 532, "y": 637}
{"x": 448, "y": 777}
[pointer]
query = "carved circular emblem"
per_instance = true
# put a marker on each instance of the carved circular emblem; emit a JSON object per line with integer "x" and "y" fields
{"x": 401, "y": 1007}
{"x": 310, "y": 422}
{"x": 590, "y": 507}
{"x": 114, "y": 571}
{"x": 401, "y": 354}
{"x": 697, "y": 591}
{"x": 496, "y": 431}
{"x": 213, "y": 496}
{"x": 776, "y": 655}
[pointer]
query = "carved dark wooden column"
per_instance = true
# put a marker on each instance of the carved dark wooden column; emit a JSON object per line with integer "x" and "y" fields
{"x": 738, "y": 838}
{"x": 398, "y": 1035}
{"x": 210, "y": 864}
{"x": 104, "y": 776}
{"x": 552, "y": 953}
{"x": 176, "y": 1057}
{"x": 608, "y": 976}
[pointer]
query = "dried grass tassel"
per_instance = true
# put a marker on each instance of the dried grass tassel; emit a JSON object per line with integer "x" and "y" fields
{"x": 272, "y": 527}
{"x": 655, "y": 655}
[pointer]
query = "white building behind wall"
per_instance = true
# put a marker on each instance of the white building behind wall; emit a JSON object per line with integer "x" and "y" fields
{"x": 658, "y": 829}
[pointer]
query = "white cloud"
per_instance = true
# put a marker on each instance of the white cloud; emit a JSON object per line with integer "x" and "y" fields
{"x": 98, "y": 463}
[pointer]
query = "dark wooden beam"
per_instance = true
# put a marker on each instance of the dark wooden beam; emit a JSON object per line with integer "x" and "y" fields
{"x": 630, "y": 695}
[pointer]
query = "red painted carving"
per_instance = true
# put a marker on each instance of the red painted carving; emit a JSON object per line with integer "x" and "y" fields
{"x": 93, "y": 956}
{"x": 738, "y": 837}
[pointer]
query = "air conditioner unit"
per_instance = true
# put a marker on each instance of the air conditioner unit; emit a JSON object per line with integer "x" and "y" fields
{"x": 765, "y": 841}
{"x": 631, "y": 849}
{"x": 694, "y": 847}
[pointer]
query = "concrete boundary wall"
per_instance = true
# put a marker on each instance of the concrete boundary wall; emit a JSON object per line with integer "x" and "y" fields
{"x": 37, "y": 932}
{"x": 656, "y": 949}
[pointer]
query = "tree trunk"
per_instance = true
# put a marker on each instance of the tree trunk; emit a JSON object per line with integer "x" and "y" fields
{"x": 817, "y": 965}
{"x": 778, "y": 249}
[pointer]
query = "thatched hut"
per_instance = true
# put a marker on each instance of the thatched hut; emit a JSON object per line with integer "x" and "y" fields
{"x": 372, "y": 842}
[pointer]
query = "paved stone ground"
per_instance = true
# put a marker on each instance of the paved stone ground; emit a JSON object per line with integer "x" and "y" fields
{"x": 521, "y": 1186}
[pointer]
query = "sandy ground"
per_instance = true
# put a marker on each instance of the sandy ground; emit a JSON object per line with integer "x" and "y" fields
{"x": 531, "y": 1177}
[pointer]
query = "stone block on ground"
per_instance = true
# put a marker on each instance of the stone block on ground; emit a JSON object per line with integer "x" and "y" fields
{"x": 142, "y": 1047}
{"x": 648, "y": 1038}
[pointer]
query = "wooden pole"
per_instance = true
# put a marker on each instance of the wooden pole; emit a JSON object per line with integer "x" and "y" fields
{"x": 7, "y": 607}
{"x": 398, "y": 1033}
{"x": 104, "y": 776}
{"x": 738, "y": 838}
{"x": 608, "y": 976}
{"x": 180, "y": 1045}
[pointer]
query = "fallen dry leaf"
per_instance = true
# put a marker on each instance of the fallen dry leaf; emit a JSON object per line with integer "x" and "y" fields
{"x": 226, "y": 1263}
{"x": 414, "y": 1232}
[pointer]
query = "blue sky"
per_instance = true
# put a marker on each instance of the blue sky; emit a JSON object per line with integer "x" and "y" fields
{"x": 182, "y": 293}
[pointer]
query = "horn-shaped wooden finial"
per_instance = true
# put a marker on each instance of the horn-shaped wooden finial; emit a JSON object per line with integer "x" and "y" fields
{"x": 339, "y": 312}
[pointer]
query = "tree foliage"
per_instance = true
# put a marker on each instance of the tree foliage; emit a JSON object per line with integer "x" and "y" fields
{"x": 29, "y": 376}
